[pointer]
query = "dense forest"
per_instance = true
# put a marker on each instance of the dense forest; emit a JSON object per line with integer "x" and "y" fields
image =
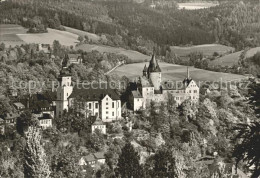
{"x": 231, "y": 23}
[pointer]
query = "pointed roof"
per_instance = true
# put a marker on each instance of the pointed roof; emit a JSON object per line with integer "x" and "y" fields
{"x": 154, "y": 66}
{"x": 145, "y": 68}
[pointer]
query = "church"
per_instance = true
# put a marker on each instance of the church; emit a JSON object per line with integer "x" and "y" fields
{"x": 150, "y": 87}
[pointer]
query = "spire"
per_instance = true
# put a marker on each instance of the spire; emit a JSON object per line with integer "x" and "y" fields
{"x": 154, "y": 66}
{"x": 188, "y": 73}
{"x": 145, "y": 68}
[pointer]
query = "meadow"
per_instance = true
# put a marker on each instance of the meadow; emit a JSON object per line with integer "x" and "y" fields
{"x": 133, "y": 55}
{"x": 174, "y": 72}
{"x": 196, "y": 5}
{"x": 91, "y": 36}
{"x": 8, "y": 34}
{"x": 206, "y": 49}
{"x": 227, "y": 60}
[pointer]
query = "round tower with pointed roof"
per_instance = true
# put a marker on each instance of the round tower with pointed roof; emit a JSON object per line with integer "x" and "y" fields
{"x": 154, "y": 73}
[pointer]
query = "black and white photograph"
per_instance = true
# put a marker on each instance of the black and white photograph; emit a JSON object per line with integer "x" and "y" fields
{"x": 129, "y": 88}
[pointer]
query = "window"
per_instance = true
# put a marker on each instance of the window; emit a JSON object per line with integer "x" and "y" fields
{"x": 190, "y": 91}
{"x": 107, "y": 112}
{"x": 106, "y": 107}
{"x": 96, "y": 105}
{"x": 89, "y": 105}
{"x": 137, "y": 99}
{"x": 195, "y": 91}
{"x": 112, "y": 113}
{"x": 113, "y": 104}
{"x": 147, "y": 89}
{"x": 106, "y": 103}
{"x": 107, "y": 99}
{"x": 107, "y": 117}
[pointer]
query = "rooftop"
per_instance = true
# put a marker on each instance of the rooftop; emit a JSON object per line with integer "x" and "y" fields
{"x": 99, "y": 155}
{"x": 93, "y": 92}
{"x": 136, "y": 94}
{"x": 89, "y": 158}
{"x": 98, "y": 122}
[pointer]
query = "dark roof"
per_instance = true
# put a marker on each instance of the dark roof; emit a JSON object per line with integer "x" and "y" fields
{"x": 64, "y": 72}
{"x": 45, "y": 116}
{"x": 99, "y": 155}
{"x": 154, "y": 66}
{"x": 145, "y": 68}
{"x": 187, "y": 81}
{"x": 136, "y": 94}
{"x": 39, "y": 100}
{"x": 94, "y": 92}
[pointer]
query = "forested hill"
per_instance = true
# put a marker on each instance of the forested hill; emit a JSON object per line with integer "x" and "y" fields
{"x": 134, "y": 24}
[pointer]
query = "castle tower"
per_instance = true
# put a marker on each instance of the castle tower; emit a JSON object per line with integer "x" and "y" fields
{"x": 154, "y": 73}
{"x": 64, "y": 90}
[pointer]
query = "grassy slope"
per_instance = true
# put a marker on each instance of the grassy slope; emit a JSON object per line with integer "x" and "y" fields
{"x": 134, "y": 55}
{"x": 227, "y": 60}
{"x": 206, "y": 49}
{"x": 176, "y": 73}
{"x": 8, "y": 34}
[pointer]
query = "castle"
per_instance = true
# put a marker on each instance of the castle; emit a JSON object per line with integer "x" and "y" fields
{"x": 151, "y": 88}
{"x": 96, "y": 100}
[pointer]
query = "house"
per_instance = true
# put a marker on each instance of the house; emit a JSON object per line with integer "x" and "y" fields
{"x": 151, "y": 88}
{"x": 19, "y": 106}
{"x": 92, "y": 159}
{"x": 46, "y": 48}
{"x": 100, "y": 157}
{"x": 11, "y": 118}
{"x": 100, "y": 125}
{"x": 72, "y": 59}
{"x": 45, "y": 121}
{"x": 136, "y": 100}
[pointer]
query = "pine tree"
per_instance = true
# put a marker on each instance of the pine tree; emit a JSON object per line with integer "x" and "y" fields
{"x": 128, "y": 162}
{"x": 35, "y": 164}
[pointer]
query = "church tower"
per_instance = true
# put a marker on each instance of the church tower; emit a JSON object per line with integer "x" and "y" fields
{"x": 154, "y": 73}
{"x": 64, "y": 90}
{"x": 145, "y": 71}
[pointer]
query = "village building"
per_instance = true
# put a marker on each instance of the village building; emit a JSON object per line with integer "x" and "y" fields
{"x": 92, "y": 159}
{"x": 99, "y": 125}
{"x": 150, "y": 87}
{"x": 45, "y": 121}
{"x": 96, "y": 99}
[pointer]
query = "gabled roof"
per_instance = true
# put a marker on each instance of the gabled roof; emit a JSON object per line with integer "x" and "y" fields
{"x": 19, "y": 105}
{"x": 98, "y": 122}
{"x": 136, "y": 94}
{"x": 99, "y": 155}
{"x": 93, "y": 92}
{"x": 145, "y": 68}
{"x": 89, "y": 158}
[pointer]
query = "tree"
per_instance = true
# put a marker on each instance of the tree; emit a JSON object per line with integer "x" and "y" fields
{"x": 128, "y": 162}
{"x": 25, "y": 121}
{"x": 248, "y": 137}
{"x": 2, "y": 47}
{"x": 35, "y": 164}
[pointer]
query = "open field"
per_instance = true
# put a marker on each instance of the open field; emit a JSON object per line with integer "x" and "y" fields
{"x": 91, "y": 36}
{"x": 176, "y": 72}
{"x": 134, "y": 55}
{"x": 65, "y": 38}
{"x": 227, "y": 60}
{"x": 16, "y": 35}
{"x": 251, "y": 52}
{"x": 8, "y": 34}
{"x": 206, "y": 49}
{"x": 196, "y": 5}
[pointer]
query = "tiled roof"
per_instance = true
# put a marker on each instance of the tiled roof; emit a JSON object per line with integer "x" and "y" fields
{"x": 154, "y": 66}
{"x": 136, "y": 94}
{"x": 93, "y": 93}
